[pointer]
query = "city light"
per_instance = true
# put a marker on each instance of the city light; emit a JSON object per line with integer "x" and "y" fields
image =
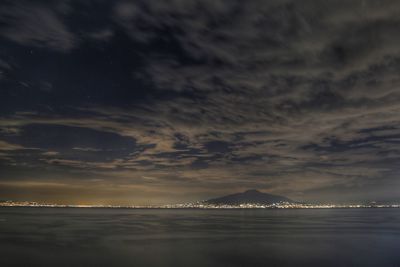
{"x": 203, "y": 205}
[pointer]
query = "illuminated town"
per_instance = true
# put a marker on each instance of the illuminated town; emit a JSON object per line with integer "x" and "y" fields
{"x": 203, "y": 205}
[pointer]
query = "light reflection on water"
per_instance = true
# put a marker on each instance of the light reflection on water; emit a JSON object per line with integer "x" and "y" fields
{"x": 126, "y": 237}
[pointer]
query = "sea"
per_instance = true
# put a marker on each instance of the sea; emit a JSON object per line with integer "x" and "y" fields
{"x": 194, "y": 237}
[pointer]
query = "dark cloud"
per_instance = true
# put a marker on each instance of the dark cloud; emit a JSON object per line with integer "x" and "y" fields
{"x": 203, "y": 97}
{"x": 37, "y": 25}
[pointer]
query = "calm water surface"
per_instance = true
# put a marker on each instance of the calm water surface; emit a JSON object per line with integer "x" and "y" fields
{"x": 126, "y": 237}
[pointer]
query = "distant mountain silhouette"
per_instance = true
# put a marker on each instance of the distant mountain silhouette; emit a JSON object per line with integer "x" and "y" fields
{"x": 249, "y": 197}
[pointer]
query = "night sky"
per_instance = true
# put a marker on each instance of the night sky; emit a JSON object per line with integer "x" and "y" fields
{"x": 154, "y": 102}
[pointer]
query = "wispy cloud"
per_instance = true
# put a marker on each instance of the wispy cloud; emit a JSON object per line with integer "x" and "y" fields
{"x": 37, "y": 25}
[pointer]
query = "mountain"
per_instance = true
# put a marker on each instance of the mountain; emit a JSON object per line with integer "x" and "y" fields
{"x": 249, "y": 197}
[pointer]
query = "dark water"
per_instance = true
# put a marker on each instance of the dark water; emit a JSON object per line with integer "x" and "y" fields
{"x": 123, "y": 237}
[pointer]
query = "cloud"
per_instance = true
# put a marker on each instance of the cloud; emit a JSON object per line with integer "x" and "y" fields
{"x": 102, "y": 35}
{"x": 50, "y": 153}
{"x": 241, "y": 45}
{"x": 9, "y": 147}
{"x": 295, "y": 98}
{"x": 35, "y": 25}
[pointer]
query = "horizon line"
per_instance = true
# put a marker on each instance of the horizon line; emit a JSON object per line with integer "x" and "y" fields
{"x": 202, "y": 205}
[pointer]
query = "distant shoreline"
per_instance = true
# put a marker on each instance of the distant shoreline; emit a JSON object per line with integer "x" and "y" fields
{"x": 196, "y": 208}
